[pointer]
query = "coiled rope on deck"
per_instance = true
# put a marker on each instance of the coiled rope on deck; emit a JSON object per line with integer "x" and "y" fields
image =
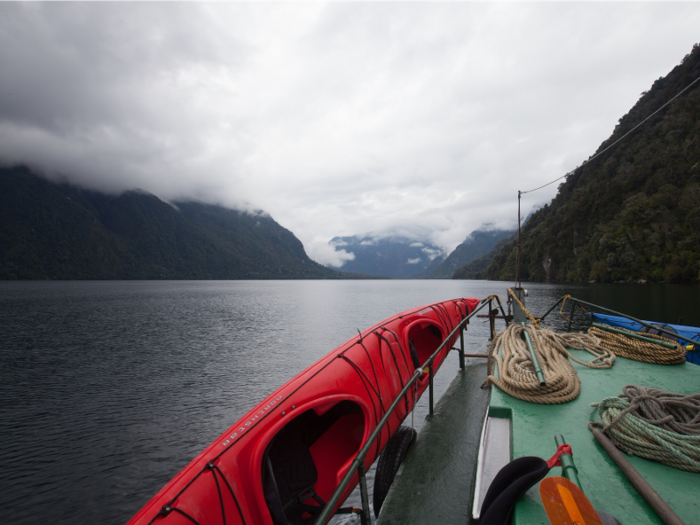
{"x": 654, "y": 424}
{"x": 516, "y": 373}
{"x": 638, "y": 350}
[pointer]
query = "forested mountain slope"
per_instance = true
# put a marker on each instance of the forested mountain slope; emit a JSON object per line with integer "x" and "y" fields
{"x": 634, "y": 212}
{"x": 476, "y": 269}
{"x": 56, "y": 231}
{"x": 477, "y": 244}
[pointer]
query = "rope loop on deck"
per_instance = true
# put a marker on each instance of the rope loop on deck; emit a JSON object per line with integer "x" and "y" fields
{"x": 561, "y": 310}
{"x": 631, "y": 348}
{"x": 516, "y": 371}
{"x": 568, "y": 297}
{"x": 653, "y": 424}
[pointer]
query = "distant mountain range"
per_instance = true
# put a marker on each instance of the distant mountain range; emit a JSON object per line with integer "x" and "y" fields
{"x": 396, "y": 257}
{"x": 57, "y": 231}
{"x": 403, "y": 258}
{"x": 477, "y": 244}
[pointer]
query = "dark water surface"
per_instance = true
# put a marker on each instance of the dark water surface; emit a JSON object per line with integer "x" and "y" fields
{"x": 108, "y": 389}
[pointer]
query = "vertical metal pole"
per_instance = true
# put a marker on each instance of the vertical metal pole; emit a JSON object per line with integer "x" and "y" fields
{"x": 365, "y": 517}
{"x": 431, "y": 389}
{"x": 518, "y": 269}
{"x": 492, "y": 321}
{"x": 461, "y": 349}
{"x": 571, "y": 316}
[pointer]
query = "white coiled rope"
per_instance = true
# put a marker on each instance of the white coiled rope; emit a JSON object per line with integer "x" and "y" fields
{"x": 516, "y": 371}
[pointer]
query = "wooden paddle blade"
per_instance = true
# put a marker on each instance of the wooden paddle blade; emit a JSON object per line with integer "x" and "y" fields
{"x": 566, "y": 504}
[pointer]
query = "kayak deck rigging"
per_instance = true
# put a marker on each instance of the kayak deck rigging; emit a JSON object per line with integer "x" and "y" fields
{"x": 296, "y": 456}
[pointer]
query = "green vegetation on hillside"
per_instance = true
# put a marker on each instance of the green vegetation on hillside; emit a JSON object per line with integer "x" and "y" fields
{"x": 478, "y": 267}
{"x": 477, "y": 244}
{"x": 631, "y": 214}
{"x": 56, "y": 231}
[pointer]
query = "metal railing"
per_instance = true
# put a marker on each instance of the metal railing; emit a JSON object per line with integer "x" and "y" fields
{"x": 578, "y": 302}
{"x": 358, "y": 464}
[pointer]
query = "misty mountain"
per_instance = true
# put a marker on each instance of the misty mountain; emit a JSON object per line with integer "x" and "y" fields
{"x": 477, "y": 244}
{"x": 632, "y": 213}
{"x": 396, "y": 257}
{"x": 57, "y": 231}
{"x": 476, "y": 269}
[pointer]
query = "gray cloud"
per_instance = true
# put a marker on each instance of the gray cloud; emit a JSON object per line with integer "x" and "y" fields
{"x": 415, "y": 119}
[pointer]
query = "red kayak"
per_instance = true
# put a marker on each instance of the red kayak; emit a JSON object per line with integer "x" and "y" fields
{"x": 283, "y": 460}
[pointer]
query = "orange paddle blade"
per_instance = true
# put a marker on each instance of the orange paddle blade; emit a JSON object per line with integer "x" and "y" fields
{"x": 566, "y": 504}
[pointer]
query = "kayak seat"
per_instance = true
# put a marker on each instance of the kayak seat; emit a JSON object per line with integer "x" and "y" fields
{"x": 414, "y": 355}
{"x": 289, "y": 472}
{"x": 289, "y": 477}
{"x": 423, "y": 340}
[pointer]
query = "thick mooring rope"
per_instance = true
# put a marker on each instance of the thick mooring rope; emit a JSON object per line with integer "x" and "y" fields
{"x": 632, "y": 348}
{"x": 654, "y": 424}
{"x": 513, "y": 297}
{"x": 516, "y": 373}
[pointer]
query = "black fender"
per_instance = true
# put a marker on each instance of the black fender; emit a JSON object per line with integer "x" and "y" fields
{"x": 389, "y": 462}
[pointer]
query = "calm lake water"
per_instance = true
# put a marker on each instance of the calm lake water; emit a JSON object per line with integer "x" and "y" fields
{"x": 107, "y": 389}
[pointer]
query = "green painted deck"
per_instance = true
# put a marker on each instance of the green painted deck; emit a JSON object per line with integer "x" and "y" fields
{"x": 435, "y": 481}
{"x": 534, "y": 427}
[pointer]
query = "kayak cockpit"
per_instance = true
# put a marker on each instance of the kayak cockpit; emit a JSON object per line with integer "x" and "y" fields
{"x": 424, "y": 337}
{"x": 304, "y": 462}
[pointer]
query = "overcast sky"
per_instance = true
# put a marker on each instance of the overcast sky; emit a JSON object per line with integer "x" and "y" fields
{"x": 422, "y": 119}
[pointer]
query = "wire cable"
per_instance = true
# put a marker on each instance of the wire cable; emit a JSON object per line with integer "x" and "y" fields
{"x": 618, "y": 140}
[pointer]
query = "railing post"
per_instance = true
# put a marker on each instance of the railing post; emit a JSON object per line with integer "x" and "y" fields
{"x": 571, "y": 317}
{"x": 461, "y": 348}
{"x": 551, "y": 309}
{"x": 492, "y": 321}
{"x": 365, "y": 517}
{"x": 431, "y": 389}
